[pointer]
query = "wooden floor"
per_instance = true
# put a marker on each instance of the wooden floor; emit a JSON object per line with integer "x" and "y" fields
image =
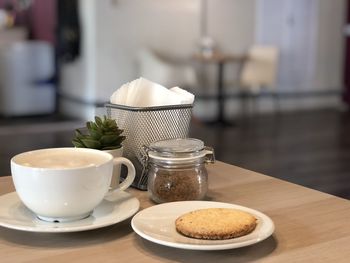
{"x": 306, "y": 148}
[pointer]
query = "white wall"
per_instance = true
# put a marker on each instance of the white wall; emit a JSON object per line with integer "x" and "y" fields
{"x": 309, "y": 35}
{"x": 330, "y": 48}
{"x": 290, "y": 25}
{"x": 123, "y": 28}
{"x": 114, "y": 31}
{"x": 231, "y": 24}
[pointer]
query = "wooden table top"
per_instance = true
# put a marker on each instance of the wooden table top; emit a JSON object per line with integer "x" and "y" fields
{"x": 310, "y": 227}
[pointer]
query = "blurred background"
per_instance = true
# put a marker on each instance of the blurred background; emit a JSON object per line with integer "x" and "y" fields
{"x": 271, "y": 77}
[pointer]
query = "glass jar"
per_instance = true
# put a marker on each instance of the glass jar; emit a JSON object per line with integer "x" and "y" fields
{"x": 176, "y": 169}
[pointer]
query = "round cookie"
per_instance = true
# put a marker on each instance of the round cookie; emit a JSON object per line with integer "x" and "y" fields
{"x": 216, "y": 223}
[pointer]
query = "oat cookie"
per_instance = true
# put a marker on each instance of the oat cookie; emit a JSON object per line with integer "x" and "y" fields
{"x": 216, "y": 223}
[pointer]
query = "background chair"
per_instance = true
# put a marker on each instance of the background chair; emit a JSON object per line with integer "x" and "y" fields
{"x": 153, "y": 67}
{"x": 258, "y": 74}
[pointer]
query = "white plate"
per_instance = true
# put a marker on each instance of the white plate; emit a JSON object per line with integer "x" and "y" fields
{"x": 157, "y": 224}
{"x": 113, "y": 209}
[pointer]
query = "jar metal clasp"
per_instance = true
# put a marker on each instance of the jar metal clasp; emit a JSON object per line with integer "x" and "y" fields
{"x": 209, "y": 155}
{"x": 144, "y": 159}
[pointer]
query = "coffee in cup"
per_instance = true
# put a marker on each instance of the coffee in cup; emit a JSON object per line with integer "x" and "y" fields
{"x": 66, "y": 184}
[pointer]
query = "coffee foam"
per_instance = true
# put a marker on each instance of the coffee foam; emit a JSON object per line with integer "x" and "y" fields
{"x": 60, "y": 159}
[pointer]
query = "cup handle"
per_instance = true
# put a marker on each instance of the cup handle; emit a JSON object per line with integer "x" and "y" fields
{"x": 131, "y": 172}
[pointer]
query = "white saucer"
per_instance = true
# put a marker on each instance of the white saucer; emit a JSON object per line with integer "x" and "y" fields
{"x": 157, "y": 224}
{"x": 113, "y": 209}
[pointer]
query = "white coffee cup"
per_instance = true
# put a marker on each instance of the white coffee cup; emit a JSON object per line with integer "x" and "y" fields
{"x": 66, "y": 184}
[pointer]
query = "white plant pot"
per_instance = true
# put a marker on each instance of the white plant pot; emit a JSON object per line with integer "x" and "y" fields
{"x": 116, "y": 171}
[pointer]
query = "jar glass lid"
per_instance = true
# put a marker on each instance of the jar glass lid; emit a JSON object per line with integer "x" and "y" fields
{"x": 177, "y": 146}
{"x": 179, "y": 151}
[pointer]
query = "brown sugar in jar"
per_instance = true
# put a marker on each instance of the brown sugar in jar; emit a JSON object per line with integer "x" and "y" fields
{"x": 178, "y": 184}
{"x": 176, "y": 170}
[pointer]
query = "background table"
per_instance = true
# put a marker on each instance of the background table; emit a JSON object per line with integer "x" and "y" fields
{"x": 220, "y": 59}
{"x": 310, "y": 227}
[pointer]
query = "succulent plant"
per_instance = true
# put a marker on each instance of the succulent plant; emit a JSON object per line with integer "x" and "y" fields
{"x": 103, "y": 134}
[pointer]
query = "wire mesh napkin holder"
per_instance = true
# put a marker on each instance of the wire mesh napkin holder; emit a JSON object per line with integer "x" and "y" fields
{"x": 144, "y": 125}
